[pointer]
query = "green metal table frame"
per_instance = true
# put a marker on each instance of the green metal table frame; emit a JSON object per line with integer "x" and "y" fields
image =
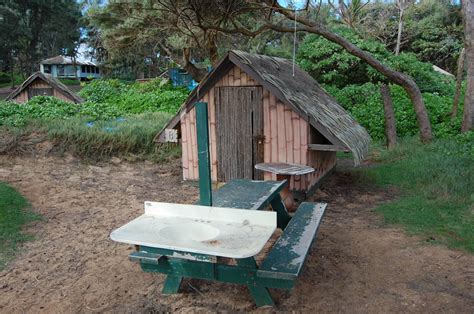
{"x": 242, "y": 194}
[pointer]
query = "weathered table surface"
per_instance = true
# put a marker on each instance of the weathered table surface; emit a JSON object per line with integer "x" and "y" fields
{"x": 247, "y": 194}
{"x": 241, "y": 194}
{"x": 285, "y": 168}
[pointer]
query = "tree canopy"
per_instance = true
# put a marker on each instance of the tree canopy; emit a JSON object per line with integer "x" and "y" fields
{"x": 34, "y": 29}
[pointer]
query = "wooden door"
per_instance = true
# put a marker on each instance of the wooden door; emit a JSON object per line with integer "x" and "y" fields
{"x": 32, "y": 92}
{"x": 239, "y": 131}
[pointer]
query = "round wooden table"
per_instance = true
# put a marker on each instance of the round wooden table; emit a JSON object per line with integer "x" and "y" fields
{"x": 285, "y": 171}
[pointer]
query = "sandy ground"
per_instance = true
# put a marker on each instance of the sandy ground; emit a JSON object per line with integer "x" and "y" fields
{"x": 357, "y": 264}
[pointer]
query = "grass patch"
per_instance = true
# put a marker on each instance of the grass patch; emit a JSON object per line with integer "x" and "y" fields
{"x": 14, "y": 213}
{"x": 436, "y": 182}
{"x": 130, "y": 137}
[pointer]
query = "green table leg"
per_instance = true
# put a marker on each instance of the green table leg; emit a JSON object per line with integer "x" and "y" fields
{"x": 171, "y": 284}
{"x": 283, "y": 218}
{"x": 260, "y": 294}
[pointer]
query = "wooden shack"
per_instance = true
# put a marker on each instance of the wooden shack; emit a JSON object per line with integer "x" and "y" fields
{"x": 41, "y": 84}
{"x": 261, "y": 110}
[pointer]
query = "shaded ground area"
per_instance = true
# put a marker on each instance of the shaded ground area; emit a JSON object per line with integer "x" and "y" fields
{"x": 357, "y": 265}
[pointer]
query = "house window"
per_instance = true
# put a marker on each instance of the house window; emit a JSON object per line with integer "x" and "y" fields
{"x": 47, "y": 68}
{"x": 97, "y": 70}
{"x": 83, "y": 69}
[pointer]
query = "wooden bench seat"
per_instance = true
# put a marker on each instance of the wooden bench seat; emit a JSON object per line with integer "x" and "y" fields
{"x": 286, "y": 258}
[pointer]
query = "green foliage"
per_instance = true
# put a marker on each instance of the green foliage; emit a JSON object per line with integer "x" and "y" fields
{"x": 4, "y": 78}
{"x": 105, "y": 100}
{"x": 365, "y": 104}
{"x": 117, "y": 119}
{"x": 34, "y": 30}
{"x": 355, "y": 85}
{"x": 330, "y": 64}
{"x": 70, "y": 81}
{"x": 14, "y": 213}
{"x": 40, "y": 107}
{"x": 6, "y": 82}
{"x": 436, "y": 185}
{"x": 156, "y": 95}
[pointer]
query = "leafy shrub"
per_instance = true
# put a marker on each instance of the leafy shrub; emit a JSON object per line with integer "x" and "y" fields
{"x": 100, "y": 91}
{"x": 330, "y": 64}
{"x": 40, "y": 107}
{"x": 365, "y": 104}
{"x": 156, "y": 95}
{"x": 105, "y": 100}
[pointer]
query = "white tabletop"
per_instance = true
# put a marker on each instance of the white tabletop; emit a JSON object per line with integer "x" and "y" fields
{"x": 216, "y": 231}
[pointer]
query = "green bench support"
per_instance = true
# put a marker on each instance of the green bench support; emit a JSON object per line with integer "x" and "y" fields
{"x": 280, "y": 269}
{"x": 288, "y": 254}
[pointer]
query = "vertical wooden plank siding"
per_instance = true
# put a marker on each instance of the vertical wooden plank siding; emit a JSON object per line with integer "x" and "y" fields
{"x": 286, "y": 136}
{"x": 289, "y": 134}
{"x": 295, "y": 124}
{"x": 267, "y": 149}
{"x": 273, "y": 132}
{"x": 212, "y": 130}
{"x": 184, "y": 147}
{"x": 281, "y": 138}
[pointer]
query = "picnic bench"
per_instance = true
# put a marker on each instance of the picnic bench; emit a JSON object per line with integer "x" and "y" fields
{"x": 240, "y": 206}
{"x": 282, "y": 265}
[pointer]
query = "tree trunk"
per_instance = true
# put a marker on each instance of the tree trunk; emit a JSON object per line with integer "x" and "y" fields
{"x": 395, "y": 77}
{"x": 389, "y": 115}
{"x": 400, "y": 29}
{"x": 468, "y": 113}
{"x": 459, "y": 79}
{"x": 196, "y": 73}
{"x": 12, "y": 69}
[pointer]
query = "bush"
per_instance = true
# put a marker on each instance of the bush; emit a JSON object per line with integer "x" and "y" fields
{"x": 40, "y": 107}
{"x": 156, "y": 95}
{"x": 330, "y": 64}
{"x": 105, "y": 100}
{"x": 365, "y": 104}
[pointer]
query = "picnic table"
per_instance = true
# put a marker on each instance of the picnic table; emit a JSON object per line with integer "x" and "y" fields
{"x": 282, "y": 265}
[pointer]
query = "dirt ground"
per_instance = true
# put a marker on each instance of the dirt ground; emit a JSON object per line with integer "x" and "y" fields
{"x": 357, "y": 264}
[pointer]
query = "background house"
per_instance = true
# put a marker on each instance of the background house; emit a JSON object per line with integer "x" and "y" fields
{"x": 40, "y": 84}
{"x": 260, "y": 112}
{"x": 66, "y": 67}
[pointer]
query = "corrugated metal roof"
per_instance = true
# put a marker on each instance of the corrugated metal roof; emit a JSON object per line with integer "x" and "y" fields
{"x": 67, "y": 60}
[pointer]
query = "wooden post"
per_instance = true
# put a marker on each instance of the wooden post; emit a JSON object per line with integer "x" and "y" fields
{"x": 202, "y": 130}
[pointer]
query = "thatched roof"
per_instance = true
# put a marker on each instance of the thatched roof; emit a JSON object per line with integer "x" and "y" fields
{"x": 49, "y": 79}
{"x": 299, "y": 91}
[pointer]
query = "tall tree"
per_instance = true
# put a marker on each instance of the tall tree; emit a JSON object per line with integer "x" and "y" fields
{"x": 41, "y": 28}
{"x": 468, "y": 112}
{"x": 402, "y": 5}
{"x": 197, "y": 25}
